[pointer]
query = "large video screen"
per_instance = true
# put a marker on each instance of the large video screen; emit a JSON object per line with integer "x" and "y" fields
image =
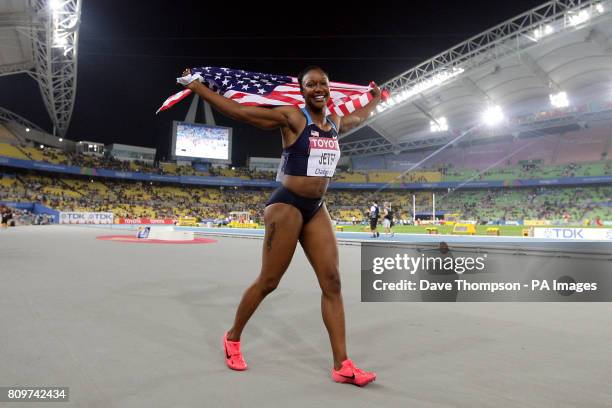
{"x": 191, "y": 140}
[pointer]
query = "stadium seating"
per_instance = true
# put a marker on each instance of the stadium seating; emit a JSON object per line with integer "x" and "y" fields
{"x": 581, "y": 153}
{"x": 7, "y": 181}
{"x": 542, "y": 157}
{"x": 35, "y": 154}
{"x": 6, "y": 136}
{"x": 346, "y": 177}
{"x": 136, "y": 199}
{"x": 583, "y": 146}
{"x": 13, "y": 151}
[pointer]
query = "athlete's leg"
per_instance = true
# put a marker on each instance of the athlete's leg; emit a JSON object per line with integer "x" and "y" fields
{"x": 283, "y": 225}
{"x": 319, "y": 243}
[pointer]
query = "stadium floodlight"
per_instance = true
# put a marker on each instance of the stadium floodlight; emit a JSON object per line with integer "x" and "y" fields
{"x": 578, "y": 18}
{"x": 402, "y": 96}
{"x": 542, "y": 32}
{"x": 432, "y": 82}
{"x": 493, "y": 115}
{"x": 60, "y": 41}
{"x": 421, "y": 87}
{"x": 438, "y": 125}
{"x": 559, "y": 100}
{"x": 55, "y": 5}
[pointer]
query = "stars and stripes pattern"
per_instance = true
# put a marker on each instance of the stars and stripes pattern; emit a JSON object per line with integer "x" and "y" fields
{"x": 259, "y": 89}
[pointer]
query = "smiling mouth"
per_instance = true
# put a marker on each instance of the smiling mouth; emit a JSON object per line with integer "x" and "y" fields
{"x": 320, "y": 98}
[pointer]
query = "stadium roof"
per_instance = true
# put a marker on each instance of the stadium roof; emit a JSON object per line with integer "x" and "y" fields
{"x": 563, "y": 46}
{"x": 40, "y": 37}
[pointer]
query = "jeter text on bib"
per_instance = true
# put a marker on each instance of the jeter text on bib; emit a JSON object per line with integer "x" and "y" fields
{"x": 324, "y": 156}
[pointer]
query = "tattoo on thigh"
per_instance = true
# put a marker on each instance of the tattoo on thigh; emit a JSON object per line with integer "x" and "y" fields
{"x": 271, "y": 237}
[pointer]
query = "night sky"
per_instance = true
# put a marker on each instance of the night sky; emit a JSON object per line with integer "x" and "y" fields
{"x": 131, "y": 51}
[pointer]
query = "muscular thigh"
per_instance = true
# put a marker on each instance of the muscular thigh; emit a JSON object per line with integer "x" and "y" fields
{"x": 319, "y": 242}
{"x": 283, "y": 225}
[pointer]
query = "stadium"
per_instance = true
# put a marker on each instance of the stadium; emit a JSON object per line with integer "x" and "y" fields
{"x": 502, "y": 142}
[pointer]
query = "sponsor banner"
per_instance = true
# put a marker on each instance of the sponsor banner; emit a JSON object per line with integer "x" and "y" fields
{"x": 536, "y": 223}
{"x": 86, "y": 218}
{"x": 599, "y": 234}
{"x": 482, "y": 271}
{"x": 155, "y": 221}
{"x": 18, "y": 206}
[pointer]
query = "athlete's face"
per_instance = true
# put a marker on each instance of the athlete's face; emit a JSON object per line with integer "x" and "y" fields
{"x": 315, "y": 89}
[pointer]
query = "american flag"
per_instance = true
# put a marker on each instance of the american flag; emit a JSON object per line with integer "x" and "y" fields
{"x": 259, "y": 89}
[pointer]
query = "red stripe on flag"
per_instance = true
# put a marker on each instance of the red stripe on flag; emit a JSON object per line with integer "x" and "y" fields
{"x": 174, "y": 99}
{"x": 344, "y": 110}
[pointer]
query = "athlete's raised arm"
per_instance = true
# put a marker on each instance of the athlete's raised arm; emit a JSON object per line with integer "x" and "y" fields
{"x": 360, "y": 115}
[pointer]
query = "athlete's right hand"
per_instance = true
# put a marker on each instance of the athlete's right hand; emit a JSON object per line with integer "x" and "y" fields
{"x": 188, "y": 80}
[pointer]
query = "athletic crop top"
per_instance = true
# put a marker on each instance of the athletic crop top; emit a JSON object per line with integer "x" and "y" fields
{"x": 315, "y": 152}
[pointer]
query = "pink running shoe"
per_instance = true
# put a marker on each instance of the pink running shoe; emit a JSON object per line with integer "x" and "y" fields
{"x": 233, "y": 356}
{"x": 348, "y": 373}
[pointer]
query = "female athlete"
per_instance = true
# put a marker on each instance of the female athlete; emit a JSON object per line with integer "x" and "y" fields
{"x": 296, "y": 211}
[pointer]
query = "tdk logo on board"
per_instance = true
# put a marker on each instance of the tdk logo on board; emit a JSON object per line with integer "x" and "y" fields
{"x": 100, "y": 217}
{"x": 565, "y": 233}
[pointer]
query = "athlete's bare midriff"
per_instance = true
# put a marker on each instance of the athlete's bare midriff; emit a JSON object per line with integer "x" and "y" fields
{"x": 306, "y": 186}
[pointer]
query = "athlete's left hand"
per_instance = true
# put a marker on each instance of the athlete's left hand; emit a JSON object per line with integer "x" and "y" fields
{"x": 375, "y": 91}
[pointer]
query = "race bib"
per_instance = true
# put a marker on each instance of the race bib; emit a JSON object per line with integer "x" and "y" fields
{"x": 324, "y": 156}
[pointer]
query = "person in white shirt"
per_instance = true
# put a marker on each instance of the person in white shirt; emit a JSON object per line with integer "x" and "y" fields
{"x": 374, "y": 213}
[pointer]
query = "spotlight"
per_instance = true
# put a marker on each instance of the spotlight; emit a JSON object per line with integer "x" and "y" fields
{"x": 60, "y": 41}
{"x": 559, "y": 100}
{"x": 42, "y": 146}
{"x": 439, "y": 125}
{"x": 55, "y": 4}
{"x": 61, "y": 140}
{"x": 541, "y": 32}
{"x": 27, "y": 129}
{"x": 579, "y": 18}
{"x": 493, "y": 115}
